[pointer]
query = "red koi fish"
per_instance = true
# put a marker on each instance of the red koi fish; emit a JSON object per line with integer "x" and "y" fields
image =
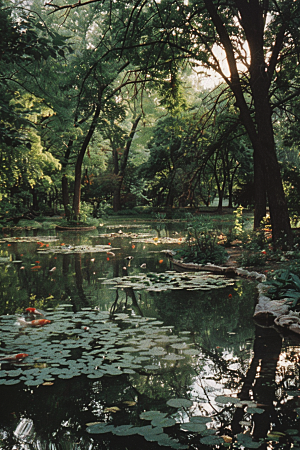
{"x": 13, "y": 357}
{"x": 33, "y": 323}
{"x": 34, "y": 311}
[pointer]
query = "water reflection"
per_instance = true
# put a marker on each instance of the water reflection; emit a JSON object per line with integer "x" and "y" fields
{"x": 233, "y": 357}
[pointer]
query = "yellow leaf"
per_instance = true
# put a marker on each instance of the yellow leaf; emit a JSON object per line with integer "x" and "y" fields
{"x": 129, "y": 403}
{"x": 226, "y": 439}
{"x": 92, "y": 423}
{"x": 112, "y": 409}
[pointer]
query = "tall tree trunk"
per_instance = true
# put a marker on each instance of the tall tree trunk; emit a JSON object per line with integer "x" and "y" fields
{"x": 78, "y": 166}
{"x": 35, "y": 204}
{"x": 267, "y": 176}
{"x": 65, "y": 196}
{"x": 120, "y": 172}
{"x": 64, "y": 181}
{"x": 117, "y": 205}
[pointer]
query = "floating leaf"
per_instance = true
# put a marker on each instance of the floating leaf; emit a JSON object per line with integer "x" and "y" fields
{"x": 200, "y": 419}
{"x": 112, "y": 409}
{"x": 275, "y": 435}
{"x": 129, "y": 403}
{"x": 124, "y": 430}
{"x": 193, "y": 427}
{"x": 100, "y": 428}
{"x": 151, "y": 367}
{"x": 179, "y": 403}
{"x": 255, "y": 410}
{"x": 163, "y": 422}
{"x": 227, "y": 399}
{"x": 150, "y": 415}
{"x": 292, "y": 432}
{"x": 212, "y": 440}
{"x": 246, "y": 441}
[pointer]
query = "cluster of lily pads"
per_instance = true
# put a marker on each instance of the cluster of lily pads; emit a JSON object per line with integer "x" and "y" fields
{"x": 171, "y": 280}
{"x": 154, "y": 432}
{"x": 77, "y": 249}
{"x": 88, "y": 343}
{"x": 28, "y": 239}
{"x": 123, "y": 234}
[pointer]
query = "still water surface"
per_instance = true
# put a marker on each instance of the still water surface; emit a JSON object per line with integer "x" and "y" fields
{"x": 148, "y": 364}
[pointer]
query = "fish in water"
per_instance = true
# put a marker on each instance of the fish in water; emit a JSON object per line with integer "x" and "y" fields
{"x": 34, "y": 311}
{"x": 16, "y": 357}
{"x": 33, "y": 323}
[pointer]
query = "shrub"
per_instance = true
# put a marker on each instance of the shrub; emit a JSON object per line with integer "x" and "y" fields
{"x": 201, "y": 244}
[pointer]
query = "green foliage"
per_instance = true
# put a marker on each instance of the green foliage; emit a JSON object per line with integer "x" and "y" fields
{"x": 291, "y": 183}
{"x": 238, "y": 222}
{"x": 255, "y": 249}
{"x": 201, "y": 244}
{"x": 252, "y": 255}
{"x": 285, "y": 284}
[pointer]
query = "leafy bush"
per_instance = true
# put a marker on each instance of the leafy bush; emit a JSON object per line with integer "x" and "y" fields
{"x": 253, "y": 255}
{"x": 201, "y": 244}
{"x": 285, "y": 285}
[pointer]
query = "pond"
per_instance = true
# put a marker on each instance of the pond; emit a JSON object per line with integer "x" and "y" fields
{"x": 136, "y": 355}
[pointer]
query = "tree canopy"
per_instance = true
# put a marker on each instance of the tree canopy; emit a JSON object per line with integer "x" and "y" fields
{"x": 73, "y": 74}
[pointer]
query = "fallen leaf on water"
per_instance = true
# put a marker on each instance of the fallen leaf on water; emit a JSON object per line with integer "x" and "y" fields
{"x": 227, "y": 439}
{"x": 112, "y": 409}
{"x": 92, "y": 423}
{"x": 129, "y": 403}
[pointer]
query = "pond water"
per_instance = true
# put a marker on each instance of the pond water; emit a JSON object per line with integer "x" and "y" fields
{"x": 135, "y": 354}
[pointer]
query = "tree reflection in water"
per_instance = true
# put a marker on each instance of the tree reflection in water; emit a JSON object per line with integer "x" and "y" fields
{"x": 55, "y": 416}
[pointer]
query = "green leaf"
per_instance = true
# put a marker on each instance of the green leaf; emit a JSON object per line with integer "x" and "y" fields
{"x": 179, "y": 403}
{"x": 150, "y": 415}
{"x": 246, "y": 441}
{"x": 212, "y": 440}
{"x": 193, "y": 427}
{"x": 226, "y": 399}
{"x": 163, "y": 422}
{"x": 252, "y": 410}
{"x": 100, "y": 428}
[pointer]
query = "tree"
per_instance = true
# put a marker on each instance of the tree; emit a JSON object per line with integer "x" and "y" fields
{"x": 25, "y": 44}
{"x": 257, "y": 38}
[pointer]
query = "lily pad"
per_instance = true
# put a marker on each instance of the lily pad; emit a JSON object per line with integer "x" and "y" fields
{"x": 193, "y": 427}
{"x": 226, "y": 399}
{"x": 150, "y": 415}
{"x": 246, "y": 441}
{"x": 212, "y": 440}
{"x": 100, "y": 428}
{"x": 252, "y": 410}
{"x": 179, "y": 403}
{"x": 163, "y": 422}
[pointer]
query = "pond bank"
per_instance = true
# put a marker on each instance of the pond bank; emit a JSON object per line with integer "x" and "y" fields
{"x": 268, "y": 313}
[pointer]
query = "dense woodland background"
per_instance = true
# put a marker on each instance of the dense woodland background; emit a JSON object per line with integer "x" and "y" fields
{"x": 130, "y": 106}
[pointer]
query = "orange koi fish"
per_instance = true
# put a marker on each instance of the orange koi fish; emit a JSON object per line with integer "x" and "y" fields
{"x": 34, "y": 311}
{"x": 33, "y": 323}
{"x": 14, "y": 357}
